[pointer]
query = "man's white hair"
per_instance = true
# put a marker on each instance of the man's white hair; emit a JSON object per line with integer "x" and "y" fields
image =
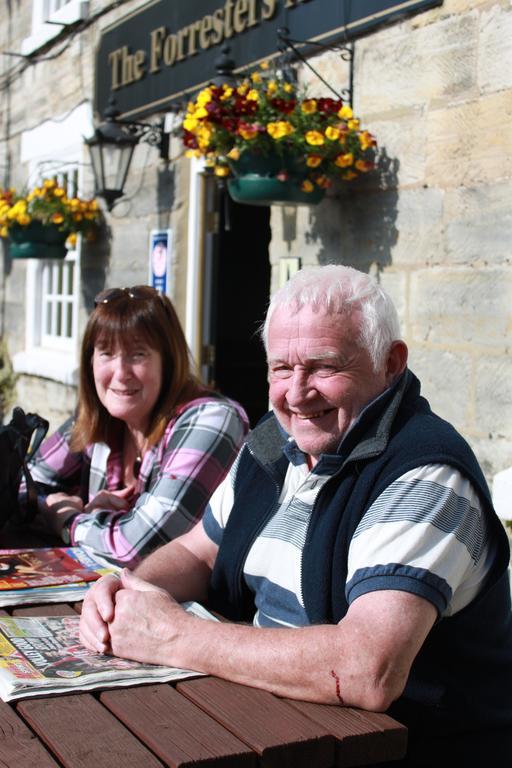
{"x": 337, "y": 289}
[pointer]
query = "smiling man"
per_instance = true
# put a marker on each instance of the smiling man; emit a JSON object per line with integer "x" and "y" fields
{"x": 355, "y": 536}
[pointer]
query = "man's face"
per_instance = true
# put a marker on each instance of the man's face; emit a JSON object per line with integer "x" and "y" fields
{"x": 320, "y": 379}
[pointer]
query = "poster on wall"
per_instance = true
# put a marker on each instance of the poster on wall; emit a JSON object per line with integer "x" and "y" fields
{"x": 160, "y": 245}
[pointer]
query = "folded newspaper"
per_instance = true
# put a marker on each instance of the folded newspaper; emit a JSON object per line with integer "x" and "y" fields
{"x": 48, "y": 574}
{"x": 43, "y": 656}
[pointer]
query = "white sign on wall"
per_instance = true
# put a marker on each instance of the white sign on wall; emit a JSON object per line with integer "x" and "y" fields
{"x": 160, "y": 246}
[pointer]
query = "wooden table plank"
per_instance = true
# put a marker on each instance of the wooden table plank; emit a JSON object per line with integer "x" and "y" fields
{"x": 179, "y": 733}
{"x": 82, "y": 733}
{"x": 18, "y": 745}
{"x": 280, "y": 734}
{"x": 363, "y": 738}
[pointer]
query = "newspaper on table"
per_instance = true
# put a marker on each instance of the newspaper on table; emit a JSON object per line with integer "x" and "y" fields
{"x": 42, "y": 656}
{"x": 48, "y": 574}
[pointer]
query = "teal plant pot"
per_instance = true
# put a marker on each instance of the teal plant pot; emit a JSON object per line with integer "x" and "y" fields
{"x": 37, "y": 241}
{"x": 253, "y": 189}
{"x": 255, "y": 181}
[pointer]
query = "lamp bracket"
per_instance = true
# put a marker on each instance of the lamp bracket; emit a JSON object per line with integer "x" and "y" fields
{"x": 345, "y": 48}
{"x": 150, "y": 133}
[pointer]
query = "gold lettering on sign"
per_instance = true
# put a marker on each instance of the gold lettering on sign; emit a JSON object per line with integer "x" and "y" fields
{"x": 268, "y": 8}
{"x": 206, "y": 26}
{"x": 157, "y": 36}
{"x": 239, "y": 12}
{"x": 114, "y": 59}
{"x": 126, "y": 67}
{"x": 167, "y": 48}
{"x": 228, "y": 19}
{"x": 218, "y": 26}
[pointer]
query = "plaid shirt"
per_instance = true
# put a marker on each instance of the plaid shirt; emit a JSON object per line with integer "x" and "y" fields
{"x": 176, "y": 479}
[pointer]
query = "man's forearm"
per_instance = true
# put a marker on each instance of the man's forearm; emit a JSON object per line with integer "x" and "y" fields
{"x": 177, "y": 570}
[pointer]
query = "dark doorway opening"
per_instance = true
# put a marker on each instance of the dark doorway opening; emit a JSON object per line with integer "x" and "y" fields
{"x": 240, "y": 288}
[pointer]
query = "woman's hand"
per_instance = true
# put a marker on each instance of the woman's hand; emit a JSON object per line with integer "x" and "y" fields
{"x": 112, "y": 500}
{"x": 59, "y": 507}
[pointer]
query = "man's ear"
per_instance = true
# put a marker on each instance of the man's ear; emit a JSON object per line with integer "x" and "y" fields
{"x": 396, "y": 360}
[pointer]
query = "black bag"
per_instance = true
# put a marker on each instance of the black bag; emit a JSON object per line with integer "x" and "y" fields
{"x": 19, "y": 440}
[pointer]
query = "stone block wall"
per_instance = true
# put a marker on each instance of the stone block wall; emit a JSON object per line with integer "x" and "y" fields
{"x": 434, "y": 223}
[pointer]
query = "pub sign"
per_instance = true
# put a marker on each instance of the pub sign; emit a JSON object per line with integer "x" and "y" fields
{"x": 165, "y": 50}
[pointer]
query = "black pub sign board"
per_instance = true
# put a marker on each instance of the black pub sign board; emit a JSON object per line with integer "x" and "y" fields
{"x": 164, "y": 51}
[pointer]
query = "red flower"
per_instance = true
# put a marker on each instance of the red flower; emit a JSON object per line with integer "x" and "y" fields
{"x": 189, "y": 140}
{"x": 284, "y": 105}
{"x": 329, "y": 105}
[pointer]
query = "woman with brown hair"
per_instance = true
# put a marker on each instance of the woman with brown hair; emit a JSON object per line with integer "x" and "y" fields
{"x": 137, "y": 464}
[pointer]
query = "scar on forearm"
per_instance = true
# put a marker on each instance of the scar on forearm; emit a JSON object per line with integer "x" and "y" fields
{"x": 338, "y": 692}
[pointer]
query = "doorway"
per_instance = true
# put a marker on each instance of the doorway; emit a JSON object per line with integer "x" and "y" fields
{"x": 235, "y": 298}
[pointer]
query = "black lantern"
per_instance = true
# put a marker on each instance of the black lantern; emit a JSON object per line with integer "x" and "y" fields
{"x": 111, "y": 149}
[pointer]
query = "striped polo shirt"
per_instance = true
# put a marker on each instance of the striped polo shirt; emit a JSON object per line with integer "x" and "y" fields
{"x": 425, "y": 531}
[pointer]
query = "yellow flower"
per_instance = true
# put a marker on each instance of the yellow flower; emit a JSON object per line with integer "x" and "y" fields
{"x": 23, "y": 219}
{"x": 315, "y": 138}
{"x": 342, "y": 161}
{"x": 71, "y": 240}
{"x": 323, "y": 182}
{"x": 345, "y": 112}
{"x": 308, "y": 106}
{"x": 192, "y": 153}
{"x": 349, "y": 175}
{"x": 364, "y": 166}
{"x": 353, "y": 124}
{"x": 59, "y": 192}
{"x": 49, "y": 184}
{"x": 221, "y": 170}
{"x": 227, "y": 92}
{"x": 242, "y": 89}
{"x": 307, "y": 186}
{"x": 264, "y": 65}
{"x": 204, "y": 97}
{"x": 366, "y": 140}
{"x": 313, "y": 161}
{"x": 288, "y": 88}
{"x": 4, "y": 231}
{"x": 58, "y": 218}
{"x": 332, "y": 133}
{"x": 190, "y": 124}
{"x": 256, "y": 77}
{"x": 253, "y": 95}
{"x": 248, "y": 132}
{"x": 271, "y": 87}
{"x": 200, "y": 113}
{"x": 280, "y": 129}
{"x": 234, "y": 154}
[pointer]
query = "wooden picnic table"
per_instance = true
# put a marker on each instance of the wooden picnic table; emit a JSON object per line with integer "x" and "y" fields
{"x": 200, "y": 722}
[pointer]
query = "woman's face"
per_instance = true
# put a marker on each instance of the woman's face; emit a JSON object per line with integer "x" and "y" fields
{"x": 128, "y": 381}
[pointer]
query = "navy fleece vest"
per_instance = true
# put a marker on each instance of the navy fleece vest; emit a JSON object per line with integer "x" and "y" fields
{"x": 462, "y": 678}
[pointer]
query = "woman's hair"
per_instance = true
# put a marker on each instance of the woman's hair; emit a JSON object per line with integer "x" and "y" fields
{"x": 337, "y": 289}
{"x": 124, "y": 316}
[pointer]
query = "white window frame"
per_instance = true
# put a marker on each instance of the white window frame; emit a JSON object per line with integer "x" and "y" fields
{"x": 45, "y": 354}
{"x": 60, "y": 13}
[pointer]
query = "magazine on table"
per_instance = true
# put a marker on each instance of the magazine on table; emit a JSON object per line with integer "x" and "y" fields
{"x": 48, "y": 574}
{"x": 42, "y": 656}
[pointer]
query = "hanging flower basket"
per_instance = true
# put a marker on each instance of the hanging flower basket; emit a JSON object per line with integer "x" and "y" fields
{"x": 38, "y": 222}
{"x": 269, "y": 180}
{"x": 275, "y": 143}
{"x": 37, "y": 241}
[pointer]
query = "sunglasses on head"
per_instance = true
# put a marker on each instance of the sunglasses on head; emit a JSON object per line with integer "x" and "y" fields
{"x": 136, "y": 292}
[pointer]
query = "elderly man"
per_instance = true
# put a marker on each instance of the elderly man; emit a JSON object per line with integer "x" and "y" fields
{"x": 355, "y": 534}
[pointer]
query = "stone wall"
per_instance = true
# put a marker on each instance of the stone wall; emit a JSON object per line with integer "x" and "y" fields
{"x": 435, "y": 223}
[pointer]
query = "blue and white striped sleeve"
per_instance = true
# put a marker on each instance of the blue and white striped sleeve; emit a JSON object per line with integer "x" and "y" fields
{"x": 424, "y": 534}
